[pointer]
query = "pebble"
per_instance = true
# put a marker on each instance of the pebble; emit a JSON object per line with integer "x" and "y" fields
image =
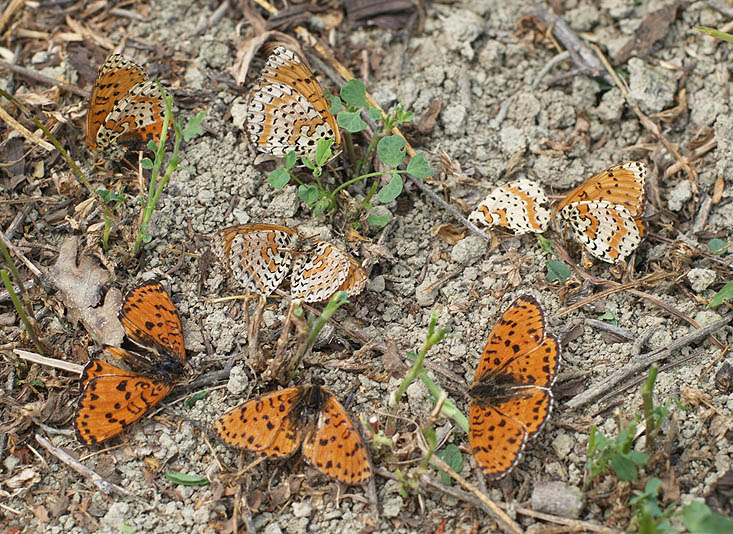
{"x": 468, "y": 250}
{"x": 238, "y": 380}
{"x": 557, "y": 498}
{"x": 302, "y": 509}
{"x": 701, "y": 279}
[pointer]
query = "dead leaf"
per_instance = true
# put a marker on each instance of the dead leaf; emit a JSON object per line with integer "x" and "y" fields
{"x": 392, "y": 362}
{"x": 80, "y": 281}
{"x": 23, "y": 480}
{"x": 718, "y": 190}
{"x": 41, "y": 513}
{"x": 449, "y": 233}
{"x": 653, "y": 28}
{"x": 428, "y": 119}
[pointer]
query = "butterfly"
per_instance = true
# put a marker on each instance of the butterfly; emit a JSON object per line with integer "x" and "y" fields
{"x": 510, "y": 395}
{"x": 605, "y": 211}
{"x": 309, "y": 418}
{"x": 113, "y": 398}
{"x": 126, "y": 108}
{"x": 323, "y": 271}
{"x": 287, "y": 109}
{"x": 517, "y": 206}
{"x": 258, "y": 255}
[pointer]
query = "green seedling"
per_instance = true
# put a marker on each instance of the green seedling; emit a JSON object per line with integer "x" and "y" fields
{"x": 609, "y": 316}
{"x": 617, "y": 454}
{"x": 390, "y": 150}
{"x": 648, "y": 516}
{"x": 157, "y": 184}
{"x": 117, "y": 199}
{"x": 700, "y": 519}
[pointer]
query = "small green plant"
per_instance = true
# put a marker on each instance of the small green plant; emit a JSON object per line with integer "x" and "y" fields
{"x": 557, "y": 270}
{"x": 390, "y": 149}
{"x": 604, "y": 454}
{"x": 718, "y": 247}
{"x": 648, "y": 516}
{"x": 157, "y": 184}
{"x": 116, "y": 199}
{"x": 700, "y": 519}
{"x": 721, "y": 296}
{"x": 609, "y": 316}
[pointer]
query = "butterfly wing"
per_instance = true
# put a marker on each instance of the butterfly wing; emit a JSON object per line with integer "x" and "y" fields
{"x": 258, "y": 255}
{"x": 538, "y": 367}
{"x": 150, "y": 319}
{"x": 518, "y": 206}
{"x": 268, "y": 425}
{"x": 496, "y": 439}
{"x": 116, "y": 77}
{"x": 136, "y": 118}
{"x": 621, "y": 184}
{"x": 334, "y": 446}
{"x": 608, "y": 231}
{"x": 356, "y": 281}
{"x": 531, "y": 406}
{"x": 319, "y": 274}
{"x": 287, "y": 109}
{"x": 112, "y": 399}
{"x": 519, "y": 331}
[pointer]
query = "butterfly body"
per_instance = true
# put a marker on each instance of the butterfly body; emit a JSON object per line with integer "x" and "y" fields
{"x": 287, "y": 109}
{"x": 112, "y": 398}
{"x": 125, "y": 108}
{"x": 510, "y": 397}
{"x": 605, "y": 211}
{"x": 309, "y": 418}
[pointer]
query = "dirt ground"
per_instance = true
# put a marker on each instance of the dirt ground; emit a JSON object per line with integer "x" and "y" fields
{"x": 507, "y": 111}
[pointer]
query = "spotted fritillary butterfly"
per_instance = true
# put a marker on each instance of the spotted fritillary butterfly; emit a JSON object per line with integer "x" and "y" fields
{"x": 518, "y": 206}
{"x": 287, "y": 109}
{"x": 126, "y": 108}
{"x": 323, "y": 271}
{"x": 309, "y": 418}
{"x": 113, "y": 398}
{"x": 605, "y": 211}
{"x": 510, "y": 395}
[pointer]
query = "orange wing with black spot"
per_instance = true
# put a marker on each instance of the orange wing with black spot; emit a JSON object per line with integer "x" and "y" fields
{"x": 116, "y": 77}
{"x": 519, "y": 331}
{"x": 125, "y": 108}
{"x": 496, "y": 440}
{"x": 334, "y": 445}
{"x": 112, "y": 399}
{"x": 150, "y": 319}
{"x": 268, "y": 425}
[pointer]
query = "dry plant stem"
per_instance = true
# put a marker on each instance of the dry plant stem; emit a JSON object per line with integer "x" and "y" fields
{"x": 22, "y": 130}
{"x": 608, "y": 327}
{"x": 253, "y": 332}
{"x": 49, "y": 362}
{"x": 505, "y": 522}
{"x": 35, "y": 271}
{"x": 38, "y": 77}
{"x": 646, "y": 121}
{"x": 103, "y": 485}
{"x": 700, "y": 151}
{"x": 641, "y": 364}
{"x": 581, "y": 54}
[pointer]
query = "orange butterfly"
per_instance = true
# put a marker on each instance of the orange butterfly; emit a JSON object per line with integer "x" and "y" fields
{"x": 125, "y": 109}
{"x": 605, "y": 211}
{"x": 287, "y": 109}
{"x": 277, "y": 424}
{"x": 510, "y": 395}
{"x": 258, "y": 255}
{"x": 319, "y": 274}
{"x": 113, "y": 398}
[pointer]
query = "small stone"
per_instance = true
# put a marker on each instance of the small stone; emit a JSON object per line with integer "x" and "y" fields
{"x": 273, "y": 528}
{"x": 269, "y": 318}
{"x": 115, "y": 516}
{"x": 681, "y": 193}
{"x": 239, "y": 112}
{"x": 650, "y": 86}
{"x": 557, "y": 498}
{"x": 39, "y": 57}
{"x": 563, "y": 444}
{"x": 425, "y": 293}
{"x": 377, "y": 284}
{"x": 701, "y": 279}
{"x": 512, "y": 139}
{"x": 238, "y": 380}
{"x": 285, "y": 203}
{"x": 706, "y": 318}
{"x": 454, "y": 119}
{"x": 302, "y": 509}
{"x": 468, "y": 250}
{"x": 391, "y": 506}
